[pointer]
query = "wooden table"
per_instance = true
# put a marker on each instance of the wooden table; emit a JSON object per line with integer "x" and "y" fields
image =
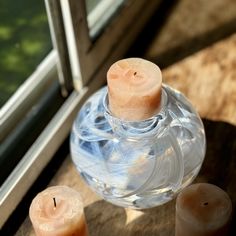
{"x": 208, "y": 79}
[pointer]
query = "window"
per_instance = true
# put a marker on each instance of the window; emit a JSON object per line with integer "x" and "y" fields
{"x": 84, "y": 47}
{"x": 90, "y": 55}
{"x": 100, "y": 16}
{"x": 22, "y": 47}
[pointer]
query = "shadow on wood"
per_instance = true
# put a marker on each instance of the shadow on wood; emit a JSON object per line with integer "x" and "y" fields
{"x": 219, "y": 168}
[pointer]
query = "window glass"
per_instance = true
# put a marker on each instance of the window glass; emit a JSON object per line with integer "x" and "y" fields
{"x": 99, "y": 14}
{"x": 91, "y": 4}
{"x": 24, "y": 42}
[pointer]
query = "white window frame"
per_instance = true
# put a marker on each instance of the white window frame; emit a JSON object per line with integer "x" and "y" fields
{"x": 88, "y": 56}
{"x": 33, "y": 87}
{"x": 88, "y": 60}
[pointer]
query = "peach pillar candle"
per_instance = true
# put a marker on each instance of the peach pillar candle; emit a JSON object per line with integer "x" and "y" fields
{"x": 202, "y": 210}
{"x": 134, "y": 89}
{"x": 58, "y": 211}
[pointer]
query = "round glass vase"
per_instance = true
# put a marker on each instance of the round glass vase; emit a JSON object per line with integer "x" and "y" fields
{"x": 138, "y": 164}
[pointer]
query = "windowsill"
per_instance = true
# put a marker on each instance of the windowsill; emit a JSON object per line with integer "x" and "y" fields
{"x": 220, "y": 130}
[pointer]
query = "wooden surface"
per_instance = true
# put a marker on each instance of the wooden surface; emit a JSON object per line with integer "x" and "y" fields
{"x": 187, "y": 27}
{"x": 208, "y": 79}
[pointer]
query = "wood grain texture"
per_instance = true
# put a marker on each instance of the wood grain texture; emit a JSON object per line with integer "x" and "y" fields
{"x": 189, "y": 26}
{"x": 208, "y": 79}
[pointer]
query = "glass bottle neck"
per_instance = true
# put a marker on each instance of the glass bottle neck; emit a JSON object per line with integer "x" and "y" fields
{"x": 136, "y": 129}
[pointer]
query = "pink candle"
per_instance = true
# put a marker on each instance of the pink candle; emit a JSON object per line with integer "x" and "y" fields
{"x": 134, "y": 89}
{"x": 58, "y": 211}
{"x": 202, "y": 210}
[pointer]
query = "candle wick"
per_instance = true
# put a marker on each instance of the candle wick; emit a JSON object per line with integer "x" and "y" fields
{"x": 55, "y": 203}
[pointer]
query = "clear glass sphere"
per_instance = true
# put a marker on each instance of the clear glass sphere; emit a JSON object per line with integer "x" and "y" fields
{"x": 138, "y": 164}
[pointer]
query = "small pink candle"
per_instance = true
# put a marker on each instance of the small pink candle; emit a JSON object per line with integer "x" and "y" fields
{"x": 58, "y": 211}
{"x": 202, "y": 210}
{"x": 134, "y": 89}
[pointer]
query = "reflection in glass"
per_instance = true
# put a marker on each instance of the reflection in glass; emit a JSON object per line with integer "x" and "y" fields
{"x": 99, "y": 13}
{"x": 91, "y": 4}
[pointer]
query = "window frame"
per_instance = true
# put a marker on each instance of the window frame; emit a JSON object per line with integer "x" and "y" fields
{"x": 87, "y": 55}
{"x": 86, "y": 65}
{"x": 15, "y": 108}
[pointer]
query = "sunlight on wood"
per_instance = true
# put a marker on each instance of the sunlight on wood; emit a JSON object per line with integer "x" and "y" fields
{"x": 132, "y": 215}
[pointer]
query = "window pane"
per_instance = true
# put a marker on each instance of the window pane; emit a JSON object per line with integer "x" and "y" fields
{"x": 91, "y": 4}
{"x": 99, "y": 14}
{"x": 24, "y": 42}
